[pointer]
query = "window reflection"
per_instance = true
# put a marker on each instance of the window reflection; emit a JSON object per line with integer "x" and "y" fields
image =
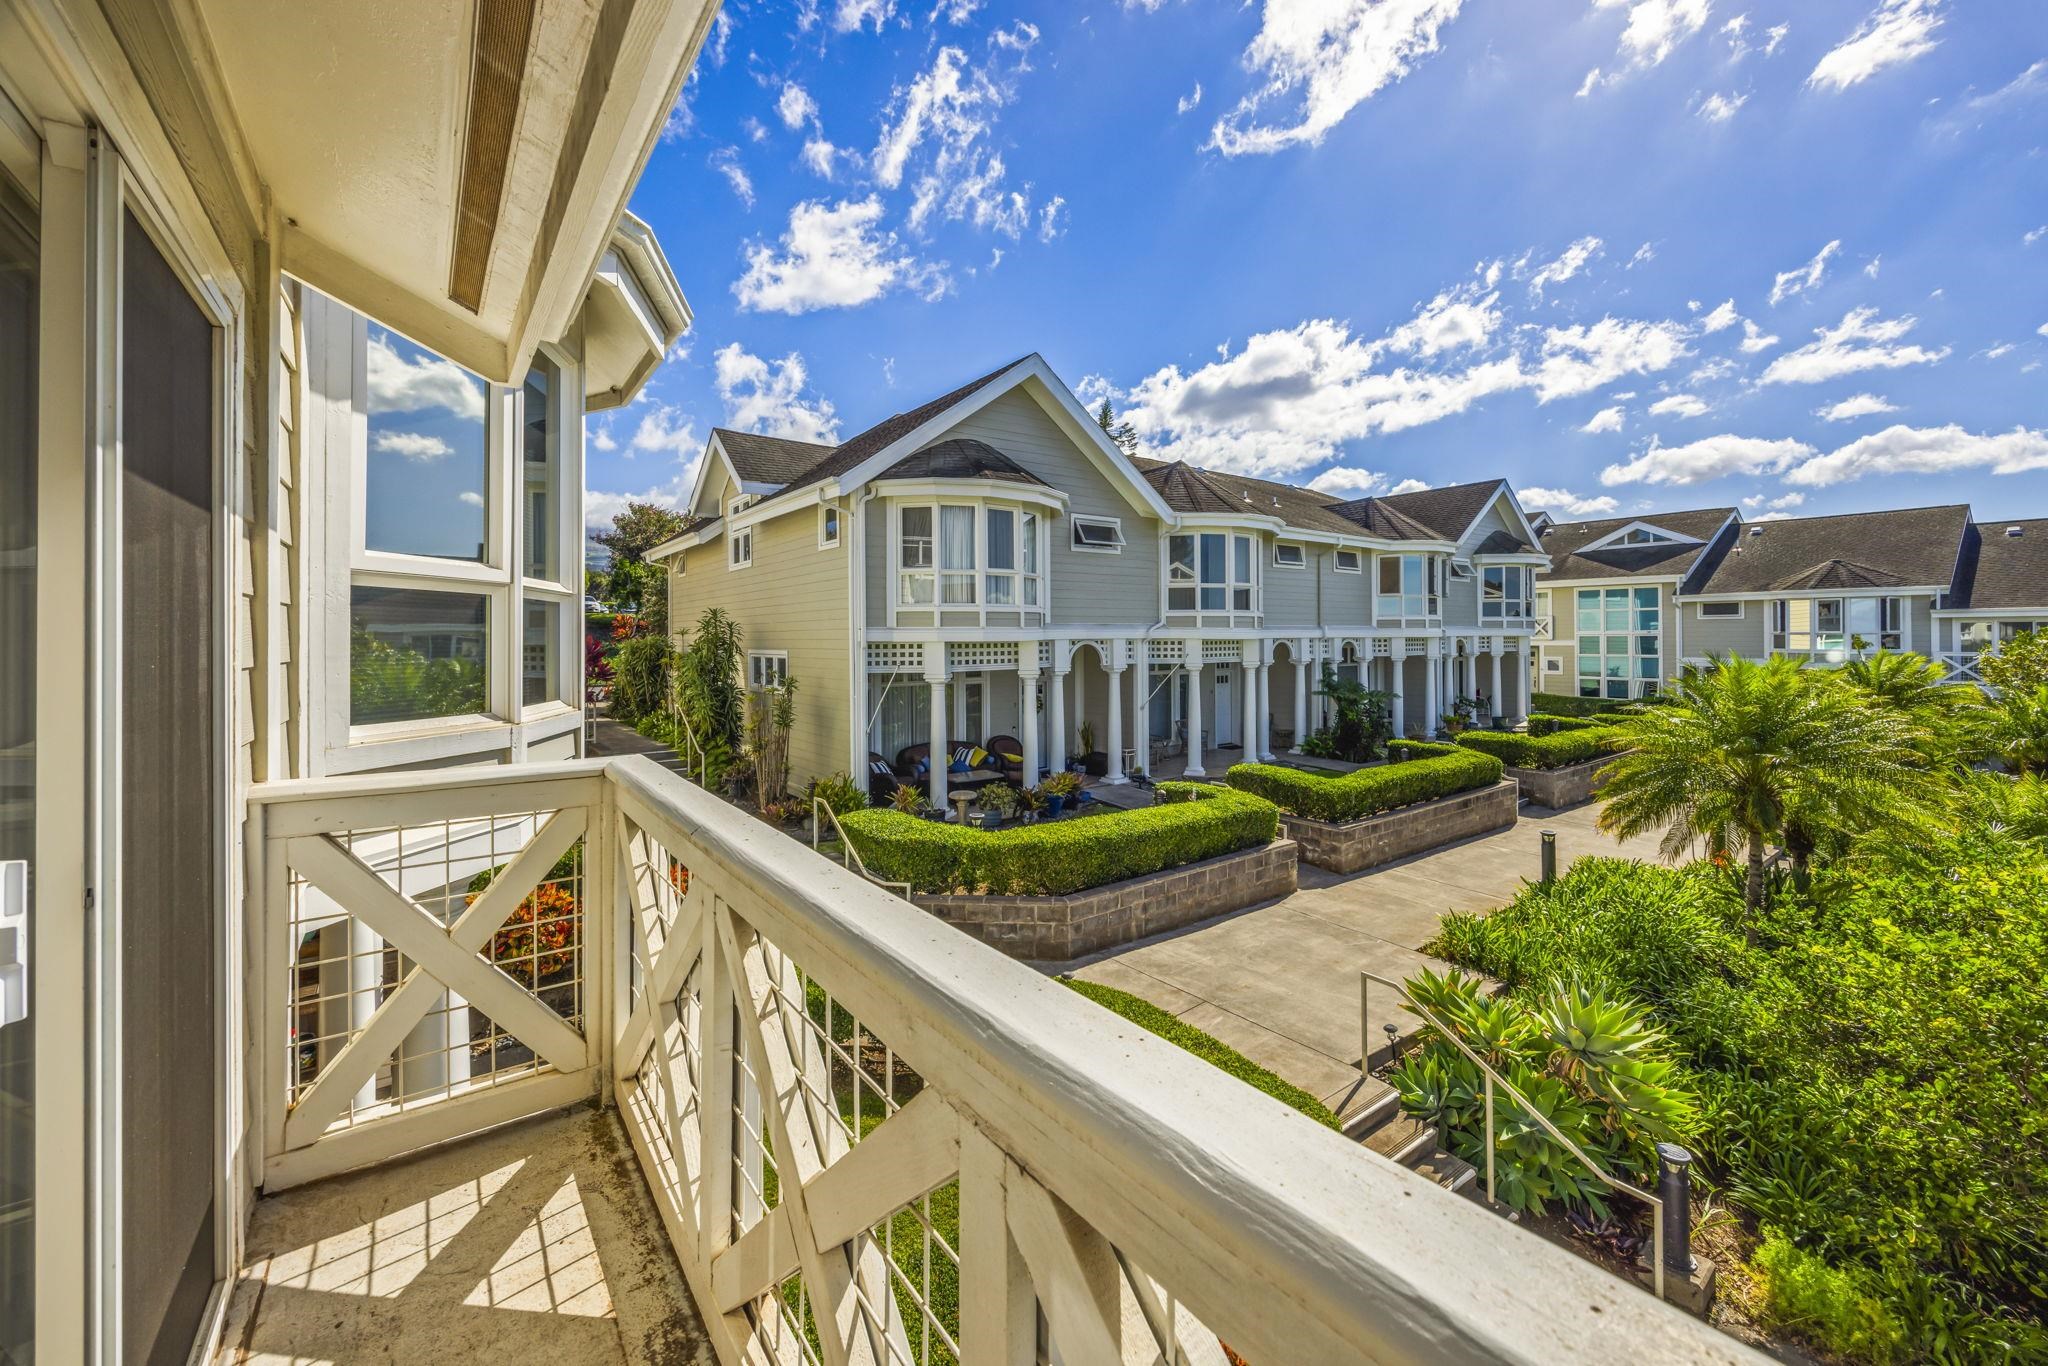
{"x": 426, "y": 485}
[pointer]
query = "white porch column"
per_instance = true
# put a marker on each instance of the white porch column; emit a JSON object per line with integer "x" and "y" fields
{"x": 1194, "y": 768}
{"x": 1265, "y": 706}
{"x": 1114, "y": 697}
{"x": 1521, "y": 709}
{"x": 1397, "y": 669}
{"x": 1056, "y": 723}
{"x": 1027, "y": 708}
{"x": 1432, "y": 676}
{"x": 1301, "y": 725}
{"x": 1248, "y": 682}
{"x": 1494, "y": 706}
{"x": 939, "y": 753}
{"x": 1141, "y": 725}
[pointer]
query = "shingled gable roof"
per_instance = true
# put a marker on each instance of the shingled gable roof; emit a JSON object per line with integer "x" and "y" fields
{"x": 2003, "y": 572}
{"x": 773, "y": 460}
{"x": 1565, "y": 543}
{"x": 961, "y": 457}
{"x": 1447, "y": 511}
{"x": 1901, "y": 548}
{"x": 1188, "y": 489}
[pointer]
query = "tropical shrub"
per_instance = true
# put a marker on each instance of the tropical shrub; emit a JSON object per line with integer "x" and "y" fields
{"x": 1365, "y": 791}
{"x": 2018, "y": 730}
{"x": 1362, "y": 722}
{"x": 386, "y": 683}
{"x": 1539, "y": 724}
{"x": 2019, "y": 664}
{"x": 839, "y": 792}
{"x": 1194, "y": 821}
{"x": 1558, "y": 749}
{"x": 640, "y": 677}
{"x": 540, "y": 937}
{"x": 1588, "y": 1062}
{"x": 1826, "y": 1304}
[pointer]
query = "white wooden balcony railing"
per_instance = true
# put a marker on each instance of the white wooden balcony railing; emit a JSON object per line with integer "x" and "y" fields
{"x": 871, "y": 1138}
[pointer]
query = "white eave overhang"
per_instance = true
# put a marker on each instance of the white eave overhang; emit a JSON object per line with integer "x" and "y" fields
{"x": 633, "y": 313}
{"x": 454, "y": 168}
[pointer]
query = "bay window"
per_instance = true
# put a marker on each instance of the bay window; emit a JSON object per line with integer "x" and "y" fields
{"x": 967, "y": 555}
{"x": 1209, "y": 571}
{"x": 1821, "y": 625}
{"x": 1504, "y": 592}
{"x": 1408, "y": 586}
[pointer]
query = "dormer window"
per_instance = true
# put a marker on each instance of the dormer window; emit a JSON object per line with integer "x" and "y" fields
{"x": 1640, "y": 536}
{"x": 1288, "y": 556}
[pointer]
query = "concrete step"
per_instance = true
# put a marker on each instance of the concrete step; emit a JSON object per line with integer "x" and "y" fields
{"x": 1371, "y": 1105}
{"x": 1403, "y": 1139}
{"x": 1450, "y": 1171}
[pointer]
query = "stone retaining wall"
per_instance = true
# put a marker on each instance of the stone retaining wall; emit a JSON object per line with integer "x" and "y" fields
{"x": 1558, "y": 788}
{"x": 1347, "y": 846}
{"x": 1057, "y": 928}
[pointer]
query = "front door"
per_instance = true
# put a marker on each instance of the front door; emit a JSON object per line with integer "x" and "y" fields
{"x": 1223, "y": 729}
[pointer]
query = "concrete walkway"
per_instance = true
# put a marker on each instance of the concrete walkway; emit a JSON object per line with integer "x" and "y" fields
{"x": 1279, "y": 982}
{"x": 608, "y": 738}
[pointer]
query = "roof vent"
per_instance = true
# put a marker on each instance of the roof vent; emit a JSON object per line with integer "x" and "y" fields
{"x": 1247, "y": 495}
{"x": 1756, "y": 531}
{"x": 2015, "y": 531}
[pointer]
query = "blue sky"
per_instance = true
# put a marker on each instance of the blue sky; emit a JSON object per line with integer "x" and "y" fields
{"x": 1629, "y": 254}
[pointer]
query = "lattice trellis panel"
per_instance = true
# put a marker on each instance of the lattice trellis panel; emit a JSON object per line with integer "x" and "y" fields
{"x": 981, "y": 655}
{"x": 1166, "y": 651}
{"x": 895, "y": 654}
{"x": 1222, "y": 651}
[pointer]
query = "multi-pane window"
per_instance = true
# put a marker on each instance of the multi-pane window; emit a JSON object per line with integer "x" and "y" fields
{"x": 1408, "y": 586}
{"x": 945, "y": 552}
{"x": 425, "y": 481}
{"x": 416, "y": 654}
{"x": 1504, "y": 592}
{"x": 541, "y": 472}
{"x": 540, "y": 653}
{"x": 1618, "y": 633}
{"x": 1209, "y": 571}
{"x": 1975, "y": 637}
{"x": 767, "y": 669}
{"x": 1804, "y": 625}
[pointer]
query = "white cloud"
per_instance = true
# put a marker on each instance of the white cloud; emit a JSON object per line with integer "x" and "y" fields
{"x": 1861, "y": 341}
{"x": 1681, "y": 405}
{"x": 1994, "y": 352}
{"x": 951, "y": 103}
{"x": 1808, "y": 276}
{"x": 1190, "y": 100}
{"x": 1052, "y": 218}
{"x": 1777, "y": 505}
{"x": 2035, "y": 235}
{"x": 1718, "y": 108}
{"x": 1325, "y": 58}
{"x": 726, "y": 161}
{"x": 1348, "y": 481}
{"x": 601, "y": 437}
{"x": 943, "y": 115}
{"x": 1644, "y": 254}
{"x": 1755, "y": 339}
{"x": 471, "y": 497}
{"x": 1590, "y": 84}
{"x": 1710, "y": 457}
{"x": 1894, "y": 33}
{"x": 1926, "y": 450}
{"x": 1713, "y": 371}
{"x": 795, "y": 105}
{"x": 415, "y": 446}
{"x": 1772, "y": 517}
{"x": 818, "y": 154}
{"x": 1565, "y": 266}
{"x": 852, "y": 14}
{"x": 831, "y": 258}
{"x": 1656, "y": 27}
{"x": 1409, "y": 486}
{"x": 1580, "y": 359}
{"x": 1724, "y": 316}
{"x": 1855, "y": 406}
{"x": 756, "y": 130}
{"x": 2042, "y": 329}
{"x": 1872, "y": 266}
{"x": 1606, "y": 420}
{"x": 1455, "y": 318}
{"x": 766, "y": 396}
{"x": 600, "y": 506}
{"x": 1566, "y": 502}
{"x": 955, "y": 11}
{"x": 665, "y": 428}
{"x": 398, "y": 385}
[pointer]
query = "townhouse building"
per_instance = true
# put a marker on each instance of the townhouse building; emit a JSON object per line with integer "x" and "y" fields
{"x": 1623, "y": 603}
{"x": 990, "y": 566}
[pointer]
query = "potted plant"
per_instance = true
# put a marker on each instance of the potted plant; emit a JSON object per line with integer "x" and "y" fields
{"x": 1093, "y": 761}
{"x": 999, "y": 802}
{"x": 910, "y": 801}
{"x": 1059, "y": 789}
{"x": 1033, "y": 801}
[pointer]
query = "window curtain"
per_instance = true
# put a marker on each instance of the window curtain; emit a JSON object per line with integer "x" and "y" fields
{"x": 956, "y": 552}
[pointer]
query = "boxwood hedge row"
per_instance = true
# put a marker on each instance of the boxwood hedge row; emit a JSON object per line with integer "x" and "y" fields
{"x": 1367, "y": 791}
{"x": 1564, "y": 704}
{"x": 1557, "y": 750}
{"x": 1540, "y": 724}
{"x": 1193, "y": 821}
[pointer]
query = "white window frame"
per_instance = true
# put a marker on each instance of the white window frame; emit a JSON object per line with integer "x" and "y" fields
{"x": 831, "y": 519}
{"x": 338, "y": 560}
{"x": 1114, "y": 525}
{"x": 766, "y": 669}
{"x": 1230, "y": 585}
{"x": 1357, "y": 561}
{"x": 739, "y": 540}
{"x": 1280, "y": 551}
{"x": 1634, "y": 682}
{"x": 1700, "y": 612}
{"x": 1029, "y": 586}
{"x": 1394, "y": 607}
{"x": 1517, "y": 596}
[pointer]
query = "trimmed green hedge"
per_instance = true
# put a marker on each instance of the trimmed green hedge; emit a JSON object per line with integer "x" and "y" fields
{"x": 1194, "y": 821}
{"x": 1543, "y": 751}
{"x": 1400, "y": 751}
{"x": 1367, "y": 791}
{"x": 1540, "y": 724}
{"x": 1207, "y": 1047}
{"x": 1564, "y": 704}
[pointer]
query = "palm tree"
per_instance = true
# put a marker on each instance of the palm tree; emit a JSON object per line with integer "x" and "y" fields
{"x": 2019, "y": 729}
{"x": 1953, "y": 715}
{"x": 1747, "y": 746}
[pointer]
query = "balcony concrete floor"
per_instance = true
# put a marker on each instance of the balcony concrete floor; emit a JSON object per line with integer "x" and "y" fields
{"x": 533, "y": 1242}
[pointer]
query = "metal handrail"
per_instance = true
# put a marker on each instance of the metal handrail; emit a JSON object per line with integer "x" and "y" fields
{"x": 849, "y": 856}
{"x": 683, "y": 728}
{"x": 1492, "y": 1079}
